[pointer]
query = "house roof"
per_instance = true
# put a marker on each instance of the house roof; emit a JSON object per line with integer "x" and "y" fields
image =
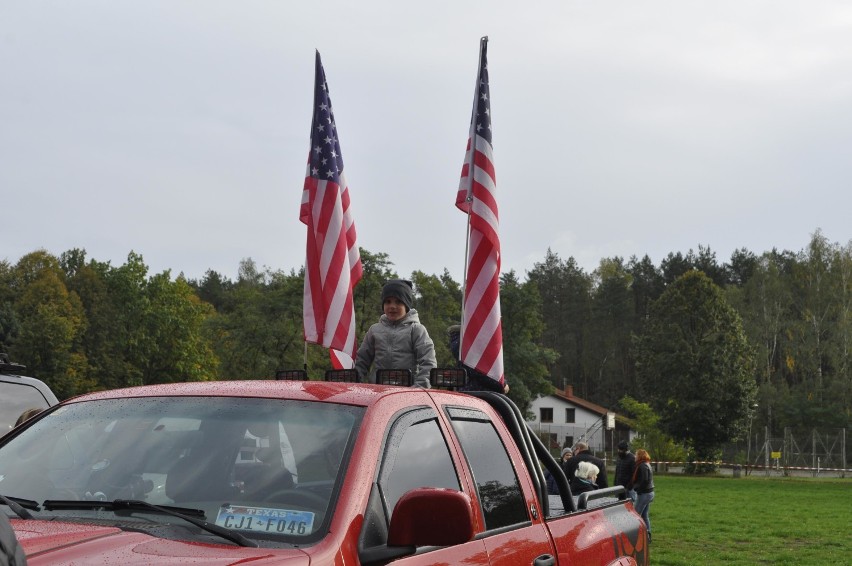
{"x": 568, "y": 395}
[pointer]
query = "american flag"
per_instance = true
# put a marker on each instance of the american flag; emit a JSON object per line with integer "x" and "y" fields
{"x": 332, "y": 264}
{"x": 482, "y": 334}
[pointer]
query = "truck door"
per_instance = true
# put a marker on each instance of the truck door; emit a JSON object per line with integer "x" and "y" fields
{"x": 416, "y": 454}
{"x": 515, "y": 531}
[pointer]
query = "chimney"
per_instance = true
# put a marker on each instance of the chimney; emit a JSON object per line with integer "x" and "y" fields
{"x": 569, "y": 390}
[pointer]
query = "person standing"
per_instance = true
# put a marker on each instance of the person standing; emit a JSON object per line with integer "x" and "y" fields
{"x": 624, "y": 469}
{"x": 643, "y": 483}
{"x": 398, "y": 340}
{"x": 582, "y": 454}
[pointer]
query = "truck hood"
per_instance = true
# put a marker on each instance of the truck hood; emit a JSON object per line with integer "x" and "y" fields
{"x": 50, "y": 542}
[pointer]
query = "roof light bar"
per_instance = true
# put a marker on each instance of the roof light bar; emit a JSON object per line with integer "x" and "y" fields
{"x": 291, "y": 375}
{"x": 394, "y": 377}
{"x": 451, "y": 379}
{"x": 342, "y": 375}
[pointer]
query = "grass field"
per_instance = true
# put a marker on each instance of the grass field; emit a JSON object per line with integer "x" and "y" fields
{"x": 751, "y": 520}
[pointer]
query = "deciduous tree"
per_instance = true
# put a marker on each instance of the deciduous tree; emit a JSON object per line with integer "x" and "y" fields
{"x": 52, "y": 322}
{"x": 695, "y": 365}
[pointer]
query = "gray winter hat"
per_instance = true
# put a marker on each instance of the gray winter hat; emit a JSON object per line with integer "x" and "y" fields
{"x": 401, "y": 289}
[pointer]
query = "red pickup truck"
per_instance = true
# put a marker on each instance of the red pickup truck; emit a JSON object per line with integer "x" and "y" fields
{"x": 299, "y": 473}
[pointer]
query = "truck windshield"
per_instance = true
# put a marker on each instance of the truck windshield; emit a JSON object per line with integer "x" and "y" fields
{"x": 268, "y": 468}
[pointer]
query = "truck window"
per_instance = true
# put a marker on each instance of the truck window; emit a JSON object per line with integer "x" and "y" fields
{"x": 422, "y": 459}
{"x": 499, "y": 490}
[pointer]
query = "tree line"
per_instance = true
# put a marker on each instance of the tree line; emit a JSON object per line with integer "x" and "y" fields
{"x": 765, "y": 339}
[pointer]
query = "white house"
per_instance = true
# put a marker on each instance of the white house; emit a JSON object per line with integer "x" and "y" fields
{"x": 567, "y": 419}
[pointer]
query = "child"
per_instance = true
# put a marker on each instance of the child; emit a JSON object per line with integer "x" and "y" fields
{"x": 398, "y": 340}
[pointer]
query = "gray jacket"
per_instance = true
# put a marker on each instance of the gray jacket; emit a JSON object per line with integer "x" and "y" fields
{"x": 11, "y": 552}
{"x": 404, "y": 344}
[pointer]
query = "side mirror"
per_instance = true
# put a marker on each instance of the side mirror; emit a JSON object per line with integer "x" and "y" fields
{"x": 431, "y": 516}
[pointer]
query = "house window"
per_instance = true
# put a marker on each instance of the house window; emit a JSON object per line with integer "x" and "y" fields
{"x": 546, "y": 414}
{"x": 569, "y": 416}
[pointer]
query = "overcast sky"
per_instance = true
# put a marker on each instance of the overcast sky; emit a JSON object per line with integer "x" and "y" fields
{"x": 180, "y": 129}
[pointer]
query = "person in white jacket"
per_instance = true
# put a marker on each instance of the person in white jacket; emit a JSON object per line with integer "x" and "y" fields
{"x": 398, "y": 340}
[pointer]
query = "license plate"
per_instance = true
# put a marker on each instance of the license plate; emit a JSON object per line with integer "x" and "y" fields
{"x": 266, "y": 520}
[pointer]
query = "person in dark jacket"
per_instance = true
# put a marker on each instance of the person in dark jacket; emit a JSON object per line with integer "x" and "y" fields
{"x": 552, "y": 486}
{"x": 582, "y": 454}
{"x": 624, "y": 468}
{"x": 476, "y": 381}
{"x": 643, "y": 483}
{"x": 585, "y": 478}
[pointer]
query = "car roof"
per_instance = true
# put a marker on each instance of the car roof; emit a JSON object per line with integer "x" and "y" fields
{"x": 19, "y": 394}
{"x": 360, "y": 394}
{"x": 38, "y": 384}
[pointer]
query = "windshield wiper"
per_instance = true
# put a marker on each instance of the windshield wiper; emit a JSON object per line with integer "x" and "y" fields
{"x": 194, "y": 516}
{"x": 117, "y": 505}
{"x": 18, "y": 505}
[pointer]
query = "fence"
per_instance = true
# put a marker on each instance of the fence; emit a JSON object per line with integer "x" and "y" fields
{"x": 799, "y": 452}
{"x": 811, "y": 451}
{"x": 558, "y": 436}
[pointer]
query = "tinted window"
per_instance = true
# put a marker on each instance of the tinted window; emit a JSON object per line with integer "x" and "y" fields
{"x": 422, "y": 459}
{"x": 499, "y": 490}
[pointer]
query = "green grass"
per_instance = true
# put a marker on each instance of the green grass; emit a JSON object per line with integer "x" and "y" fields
{"x": 751, "y": 520}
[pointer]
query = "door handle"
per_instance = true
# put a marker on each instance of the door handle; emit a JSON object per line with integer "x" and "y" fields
{"x": 544, "y": 560}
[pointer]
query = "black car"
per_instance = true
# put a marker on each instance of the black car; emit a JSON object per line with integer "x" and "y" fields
{"x": 19, "y": 393}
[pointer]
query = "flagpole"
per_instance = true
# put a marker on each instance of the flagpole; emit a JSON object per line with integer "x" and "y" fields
{"x": 483, "y": 42}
